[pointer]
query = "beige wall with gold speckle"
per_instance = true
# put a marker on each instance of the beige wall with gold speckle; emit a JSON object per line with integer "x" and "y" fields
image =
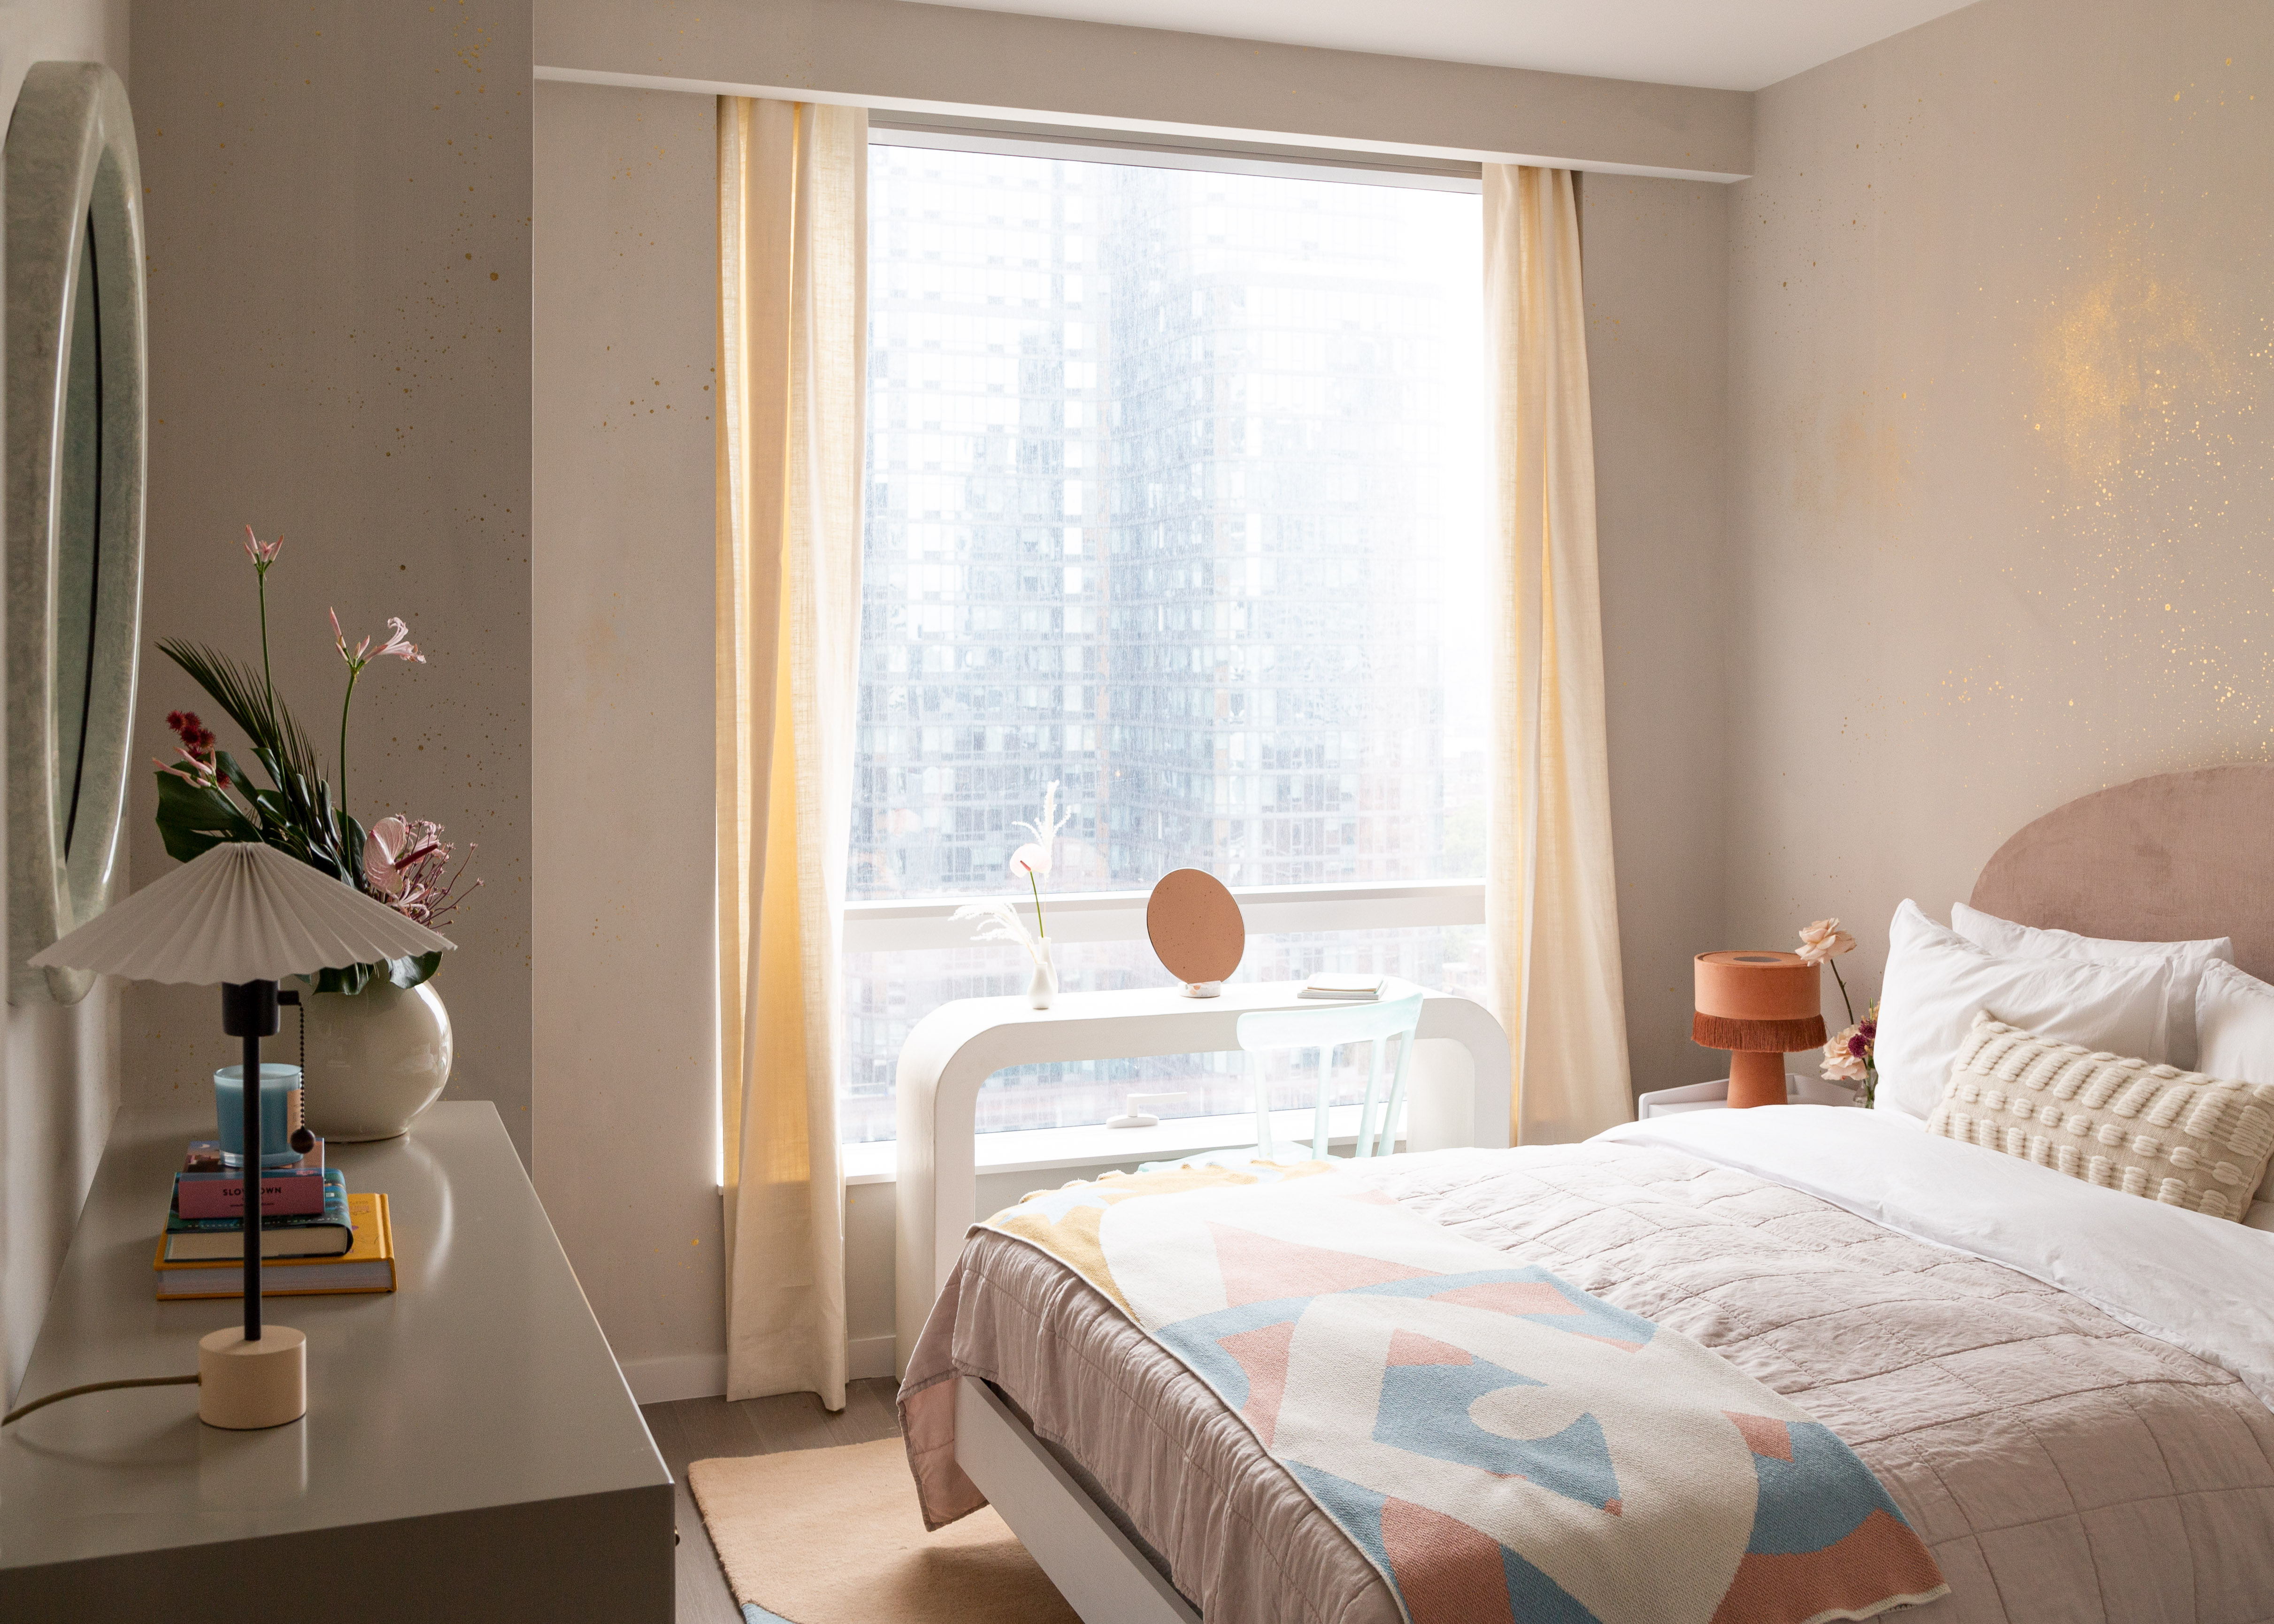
{"x": 2001, "y": 442}
{"x": 1655, "y": 257}
{"x": 340, "y": 309}
{"x": 626, "y": 1098}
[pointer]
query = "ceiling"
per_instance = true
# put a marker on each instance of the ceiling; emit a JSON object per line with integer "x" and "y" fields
{"x": 1724, "y": 44}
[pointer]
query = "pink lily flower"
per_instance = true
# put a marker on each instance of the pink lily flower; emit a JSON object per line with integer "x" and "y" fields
{"x": 398, "y": 642}
{"x": 362, "y": 649}
{"x": 263, "y": 553}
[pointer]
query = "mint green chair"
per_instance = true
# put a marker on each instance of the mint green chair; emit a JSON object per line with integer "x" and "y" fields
{"x": 1326, "y": 1027}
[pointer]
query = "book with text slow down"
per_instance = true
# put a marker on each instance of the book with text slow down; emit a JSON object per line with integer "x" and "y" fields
{"x": 328, "y": 1232}
{"x": 367, "y": 1265}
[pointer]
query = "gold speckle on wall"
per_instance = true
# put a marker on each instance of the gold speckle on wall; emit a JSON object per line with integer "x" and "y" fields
{"x": 2130, "y": 345}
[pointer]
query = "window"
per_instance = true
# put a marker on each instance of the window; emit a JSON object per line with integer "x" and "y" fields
{"x": 1176, "y": 485}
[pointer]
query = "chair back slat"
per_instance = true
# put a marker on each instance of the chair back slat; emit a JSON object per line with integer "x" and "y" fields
{"x": 1326, "y": 1028}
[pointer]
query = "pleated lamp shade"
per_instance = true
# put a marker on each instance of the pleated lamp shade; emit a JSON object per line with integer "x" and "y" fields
{"x": 241, "y": 912}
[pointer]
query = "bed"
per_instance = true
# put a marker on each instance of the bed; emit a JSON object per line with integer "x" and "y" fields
{"x": 2065, "y": 1391}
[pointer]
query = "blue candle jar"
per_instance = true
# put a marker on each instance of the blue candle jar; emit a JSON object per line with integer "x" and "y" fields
{"x": 280, "y": 1113}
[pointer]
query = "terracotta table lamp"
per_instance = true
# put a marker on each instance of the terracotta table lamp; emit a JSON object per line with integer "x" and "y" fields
{"x": 1761, "y": 1006}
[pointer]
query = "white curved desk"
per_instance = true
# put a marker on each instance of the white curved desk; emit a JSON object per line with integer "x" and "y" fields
{"x": 1456, "y": 1093}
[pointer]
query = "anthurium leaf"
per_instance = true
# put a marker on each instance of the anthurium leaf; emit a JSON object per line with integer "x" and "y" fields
{"x": 201, "y": 809}
{"x": 349, "y": 979}
{"x": 184, "y": 844}
{"x": 409, "y": 972}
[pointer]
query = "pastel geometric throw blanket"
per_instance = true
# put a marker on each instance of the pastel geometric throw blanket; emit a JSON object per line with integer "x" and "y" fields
{"x": 1501, "y": 1445}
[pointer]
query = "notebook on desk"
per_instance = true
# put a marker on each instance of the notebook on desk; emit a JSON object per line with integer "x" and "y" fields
{"x": 1344, "y": 988}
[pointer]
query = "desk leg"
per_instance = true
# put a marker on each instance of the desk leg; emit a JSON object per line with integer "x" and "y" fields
{"x": 1462, "y": 1093}
{"x": 935, "y": 1188}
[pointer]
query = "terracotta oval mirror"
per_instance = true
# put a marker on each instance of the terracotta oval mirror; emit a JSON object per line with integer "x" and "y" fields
{"x": 1196, "y": 929}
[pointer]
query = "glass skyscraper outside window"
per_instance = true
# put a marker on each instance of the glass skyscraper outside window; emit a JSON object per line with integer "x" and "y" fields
{"x": 1175, "y": 499}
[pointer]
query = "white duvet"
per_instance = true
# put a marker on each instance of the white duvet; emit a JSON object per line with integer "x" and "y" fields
{"x": 2203, "y": 1284}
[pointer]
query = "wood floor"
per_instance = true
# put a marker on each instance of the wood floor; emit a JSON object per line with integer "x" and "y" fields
{"x": 696, "y": 1429}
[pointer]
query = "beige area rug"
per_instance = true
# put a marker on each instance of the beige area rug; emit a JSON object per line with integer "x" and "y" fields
{"x": 833, "y": 1537}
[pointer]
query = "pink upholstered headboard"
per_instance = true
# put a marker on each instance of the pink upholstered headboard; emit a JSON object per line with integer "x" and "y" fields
{"x": 2175, "y": 857}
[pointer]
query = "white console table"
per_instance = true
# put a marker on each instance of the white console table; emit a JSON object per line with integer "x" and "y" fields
{"x": 1456, "y": 1093}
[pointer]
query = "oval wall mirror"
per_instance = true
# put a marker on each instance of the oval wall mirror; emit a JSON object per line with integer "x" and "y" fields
{"x": 76, "y": 351}
{"x": 1196, "y": 929}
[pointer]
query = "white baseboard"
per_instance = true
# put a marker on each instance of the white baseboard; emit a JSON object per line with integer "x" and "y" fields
{"x": 683, "y": 1375}
{"x": 869, "y": 1357}
{"x": 704, "y": 1375}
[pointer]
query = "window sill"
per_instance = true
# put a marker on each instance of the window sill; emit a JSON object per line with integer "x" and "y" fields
{"x": 919, "y": 923}
{"x": 1036, "y": 1150}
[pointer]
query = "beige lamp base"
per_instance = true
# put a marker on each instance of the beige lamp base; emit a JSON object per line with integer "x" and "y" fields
{"x": 244, "y": 1385}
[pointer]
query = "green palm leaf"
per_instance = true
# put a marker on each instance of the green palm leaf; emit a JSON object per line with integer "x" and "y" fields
{"x": 244, "y": 694}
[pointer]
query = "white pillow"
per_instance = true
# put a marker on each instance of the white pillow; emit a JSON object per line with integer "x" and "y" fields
{"x": 2234, "y": 1016}
{"x": 2005, "y": 938}
{"x": 1937, "y": 981}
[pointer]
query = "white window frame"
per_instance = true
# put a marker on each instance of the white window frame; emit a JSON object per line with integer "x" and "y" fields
{"x": 1164, "y": 152}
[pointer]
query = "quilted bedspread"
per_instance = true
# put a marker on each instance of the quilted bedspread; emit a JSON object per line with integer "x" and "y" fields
{"x": 2057, "y": 1464}
{"x": 1499, "y": 1443}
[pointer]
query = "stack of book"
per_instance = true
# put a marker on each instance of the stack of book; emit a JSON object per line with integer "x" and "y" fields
{"x": 315, "y": 1238}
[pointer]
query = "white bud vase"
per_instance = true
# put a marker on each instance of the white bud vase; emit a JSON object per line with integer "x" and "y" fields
{"x": 1042, "y": 990}
{"x": 376, "y": 1060}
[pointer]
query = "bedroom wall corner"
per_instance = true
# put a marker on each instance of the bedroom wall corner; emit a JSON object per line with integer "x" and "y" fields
{"x": 627, "y": 1103}
{"x": 2000, "y": 488}
{"x": 59, "y": 1066}
{"x": 338, "y": 206}
{"x": 1655, "y": 265}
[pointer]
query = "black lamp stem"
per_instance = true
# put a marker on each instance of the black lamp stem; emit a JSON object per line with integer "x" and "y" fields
{"x": 248, "y": 1010}
{"x": 253, "y": 1153}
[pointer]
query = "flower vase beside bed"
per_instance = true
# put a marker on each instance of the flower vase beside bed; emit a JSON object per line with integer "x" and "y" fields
{"x": 1848, "y": 1057}
{"x": 377, "y": 1037}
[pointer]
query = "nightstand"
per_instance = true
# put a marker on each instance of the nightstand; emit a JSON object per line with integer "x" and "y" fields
{"x": 1799, "y": 1090}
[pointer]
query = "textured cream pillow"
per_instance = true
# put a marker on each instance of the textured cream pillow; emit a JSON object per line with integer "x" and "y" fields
{"x": 2154, "y": 1131}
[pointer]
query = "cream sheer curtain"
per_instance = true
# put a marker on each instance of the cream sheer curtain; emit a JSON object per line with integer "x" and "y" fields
{"x": 1551, "y": 899}
{"x": 792, "y": 359}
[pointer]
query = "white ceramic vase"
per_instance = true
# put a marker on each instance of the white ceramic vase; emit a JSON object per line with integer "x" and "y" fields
{"x": 376, "y": 1060}
{"x": 1043, "y": 990}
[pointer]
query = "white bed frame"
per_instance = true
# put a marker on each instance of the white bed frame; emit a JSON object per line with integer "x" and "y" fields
{"x": 1103, "y": 1576}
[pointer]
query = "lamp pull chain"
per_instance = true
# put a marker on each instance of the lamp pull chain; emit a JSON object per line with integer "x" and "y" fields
{"x": 300, "y": 1010}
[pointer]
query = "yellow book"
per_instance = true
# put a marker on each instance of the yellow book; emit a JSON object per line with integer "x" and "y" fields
{"x": 368, "y": 1265}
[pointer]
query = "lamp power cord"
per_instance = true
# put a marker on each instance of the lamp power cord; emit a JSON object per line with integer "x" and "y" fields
{"x": 21, "y": 1410}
